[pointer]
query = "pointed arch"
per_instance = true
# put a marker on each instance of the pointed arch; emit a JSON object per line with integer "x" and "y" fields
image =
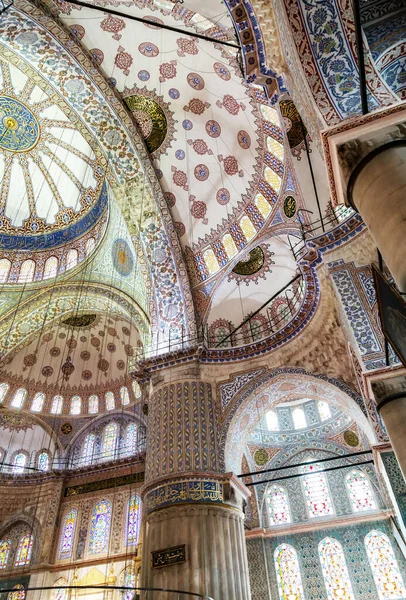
{"x": 133, "y": 526}
{"x": 67, "y": 536}
{"x": 360, "y": 491}
{"x": 5, "y": 545}
{"x": 109, "y": 440}
{"x": 335, "y": 572}
{"x": 277, "y": 505}
{"x": 288, "y": 573}
{"x": 24, "y": 550}
{"x": 100, "y": 528}
{"x": 384, "y": 566}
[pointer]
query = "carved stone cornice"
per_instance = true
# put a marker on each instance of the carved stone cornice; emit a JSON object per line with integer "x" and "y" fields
{"x": 389, "y": 387}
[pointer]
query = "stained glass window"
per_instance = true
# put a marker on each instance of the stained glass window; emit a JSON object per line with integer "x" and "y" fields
{"x": 4, "y": 552}
{"x": 26, "y": 271}
{"x": 211, "y": 261}
{"x": 125, "y": 398}
{"x": 131, "y": 439}
{"x": 75, "y": 403}
{"x": 19, "y": 594}
{"x": 19, "y": 462}
{"x": 88, "y": 448}
{"x": 93, "y": 404}
{"x": 324, "y": 411}
{"x": 288, "y": 573}
{"x": 272, "y": 422}
{"x": 109, "y": 440}
{"x": 4, "y": 269}
{"x": 24, "y": 550}
{"x": 384, "y": 566}
{"x": 3, "y": 391}
{"x": 68, "y": 534}
{"x": 60, "y": 593}
{"x": 335, "y": 573}
{"x": 133, "y": 521}
{"x": 359, "y": 489}
{"x": 90, "y": 246}
{"x": 57, "y": 403}
{"x": 38, "y": 402}
{"x": 51, "y": 267}
{"x": 19, "y": 397}
{"x": 43, "y": 461}
{"x": 317, "y": 493}
{"x": 100, "y": 527}
{"x": 247, "y": 227}
{"x": 128, "y": 579}
{"x": 299, "y": 419}
{"x": 278, "y": 506}
{"x": 136, "y": 389}
{"x": 110, "y": 402}
{"x": 71, "y": 259}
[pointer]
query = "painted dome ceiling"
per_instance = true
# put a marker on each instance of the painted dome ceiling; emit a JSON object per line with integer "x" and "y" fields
{"x": 84, "y": 354}
{"x": 51, "y": 170}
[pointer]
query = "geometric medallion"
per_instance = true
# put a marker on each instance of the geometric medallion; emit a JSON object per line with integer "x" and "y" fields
{"x": 351, "y": 438}
{"x": 19, "y": 129}
{"x": 261, "y": 457}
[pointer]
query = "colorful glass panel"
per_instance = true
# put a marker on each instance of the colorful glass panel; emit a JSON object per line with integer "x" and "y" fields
{"x": 129, "y": 579}
{"x": 100, "y": 528}
{"x": 68, "y": 534}
{"x": 93, "y": 404}
{"x": 324, "y": 411}
{"x": 136, "y": 389}
{"x": 384, "y": 566}
{"x": 71, "y": 259}
{"x": 229, "y": 245}
{"x": 124, "y": 395}
{"x": 299, "y": 419}
{"x": 43, "y": 461}
{"x": 5, "y": 265}
{"x": 60, "y": 593}
{"x": 131, "y": 439}
{"x": 75, "y": 405}
{"x": 211, "y": 261}
{"x": 262, "y": 205}
{"x": 359, "y": 489}
{"x": 317, "y": 493}
{"x": 335, "y": 572}
{"x": 247, "y": 228}
{"x": 273, "y": 179}
{"x": 90, "y": 246}
{"x": 19, "y": 594}
{"x": 109, "y": 440}
{"x": 19, "y": 462}
{"x": 19, "y": 397}
{"x": 26, "y": 271}
{"x": 88, "y": 448}
{"x": 133, "y": 521}
{"x": 272, "y": 421}
{"x": 278, "y": 506}
{"x": 110, "y": 402}
{"x": 24, "y": 550}
{"x": 288, "y": 573}
{"x": 3, "y": 391}
{"x": 57, "y": 403}
{"x": 51, "y": 267}
{"x": 38, "y": 402}
{"x": 269, "y": 114}
{"x": 4, "y": 552}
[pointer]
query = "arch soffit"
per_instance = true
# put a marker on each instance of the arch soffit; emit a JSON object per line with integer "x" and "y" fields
{"x": 41, "y": 311}
{"x": 283, "y": 385}
{"x": 35, "y": 419}
{"x": 128, "y": 157}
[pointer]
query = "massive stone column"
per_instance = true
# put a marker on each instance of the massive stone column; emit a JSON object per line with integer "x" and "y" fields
{"x": 377, "y": 190}
{"x": 187, "y": 499}
{"x": 390, "y": 396}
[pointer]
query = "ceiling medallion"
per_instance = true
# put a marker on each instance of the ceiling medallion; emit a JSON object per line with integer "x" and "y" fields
{"x": 261, "y": 457}
{"x": 351, "y": 438}
{"x": 66, "y": 428}
{"x": 150, "y": 119}
{"x": 19, "y": 129}
{"x": 251, "y": 264}
{"x": 289, "y": 207}
{"x": 295, "y": 129}
{"x": 80, "y": 320}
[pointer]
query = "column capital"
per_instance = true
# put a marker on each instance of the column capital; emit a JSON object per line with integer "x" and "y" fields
{"x": 388, "y": 389}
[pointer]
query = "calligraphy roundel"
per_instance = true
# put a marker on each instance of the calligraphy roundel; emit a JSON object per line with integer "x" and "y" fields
{"x": 289, "y": 207}
{"x": 351, "y": 438}
{"x": 261, "y": 457}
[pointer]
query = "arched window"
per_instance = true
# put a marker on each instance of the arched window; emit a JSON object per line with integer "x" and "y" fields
{"x": 100, "y": 528}
{"x": 27, "y": 271}
{"x": 3, "y": 391}
{"x": 110, "y": 402}
{"x": 109, "y": 441}
{"x": 75, "y": 405}
{"x": 384, "y": 566}
{"x": 324, "y": 411}
{"x": 5, "y": 266}
{"x": 272, "y": 421}
{"x": 43, "y": 461}
{"x": 299, "y": 419}
{"x": 51, "y": 267}
{"x": 124, "y": 395}
{"x": 317, "y": 494}
{"x": 93, "y": 404}
{"x": 136, "y": 389}
{"x": 60, "y": 593}
{"x": 4, "y": 552}
{"x": 18, "y": 398}
{"x": 132, "y": 533}
{"x": 131, "y": 439}
{"x": 38, "y": 402}
{"x": 288, "y": 573}
{"x": 88, "y": 449}
{"x": 68, "y": 534}
{"x": 19, "y": 462}
{"x": 335, "y": 572}
{"x": 24, "y": 550}
{"x": 359, "y": 489}
{"x": 19, "y": 594}
{"x": 57, "y": 404}
{"x": 278, "y": 506}
{"x": 128, "y": 579}
{"x": 71, "y": 259}
{"x": 90, "y": 246}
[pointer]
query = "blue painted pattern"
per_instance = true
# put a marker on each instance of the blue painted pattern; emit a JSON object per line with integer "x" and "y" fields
{"x": 19, "y": 129}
